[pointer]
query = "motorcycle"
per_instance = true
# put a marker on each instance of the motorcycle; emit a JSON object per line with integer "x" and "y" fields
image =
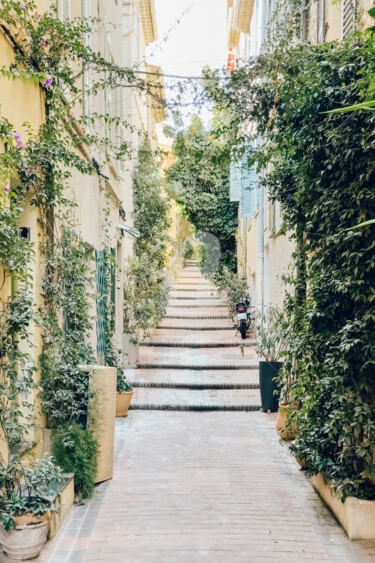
{"x": 243, "y": 317}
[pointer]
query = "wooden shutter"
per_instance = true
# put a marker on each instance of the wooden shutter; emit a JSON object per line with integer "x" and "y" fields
{"x": 108, "y": 90}
{"x": 348, "y": 17}
{"x": 321, "y": 31}
{"x": 63, "y": 10}
{"x": 235, "y": 181}
{"x": 249, "y": 182}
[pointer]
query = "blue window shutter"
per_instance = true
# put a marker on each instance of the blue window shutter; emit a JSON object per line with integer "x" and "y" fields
{"x": 249, "y": 183}
{"x": 235, "y": 181}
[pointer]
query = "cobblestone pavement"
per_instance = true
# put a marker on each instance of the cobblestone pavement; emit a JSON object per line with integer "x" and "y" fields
{"x": 213, "y": 487}
{"x": 201, "y": 487}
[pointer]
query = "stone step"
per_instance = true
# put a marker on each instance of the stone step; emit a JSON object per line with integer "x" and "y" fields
{"x": 248, "y": 343}
{"x": 193, "y": 289}
{"x": 197, "y": 366}
{"x": 187, "y": 399}
{"x": 194, "y": 386}
{"x": 197, "y": 328}
{"x": 174, "y": 304}
{"x": 209, "y": 379}
{"x": 195, "y": 298}
{"x": 195, "y": 316}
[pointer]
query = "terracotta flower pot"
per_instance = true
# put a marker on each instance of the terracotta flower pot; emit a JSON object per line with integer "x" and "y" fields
{"x": 302, "y": 462}
{"x": 123, "y": 401}
{"x": 27, "y": 539}
{"x": 281, "y": 421}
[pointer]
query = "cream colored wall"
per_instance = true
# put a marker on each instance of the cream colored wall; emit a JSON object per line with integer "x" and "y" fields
{"x": 23, "y": 102}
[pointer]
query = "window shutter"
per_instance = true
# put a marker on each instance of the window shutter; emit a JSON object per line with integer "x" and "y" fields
{"x": 249, "y": 181}
{"x": 321, "y": 31}
{"x": 235, "y": 181}
{"x": 348, "y": 17}
{"x": 63, "y": 10}
{"x": 108, "y": 90}
{"x": 121, "y": 132}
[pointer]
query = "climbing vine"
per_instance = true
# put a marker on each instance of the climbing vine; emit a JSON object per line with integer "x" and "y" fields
{"x": 54, "y": 55}
{"x": 323, "y": 175}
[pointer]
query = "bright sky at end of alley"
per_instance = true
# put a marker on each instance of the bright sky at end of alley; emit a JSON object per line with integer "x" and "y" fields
{"x": 199, "y": 39}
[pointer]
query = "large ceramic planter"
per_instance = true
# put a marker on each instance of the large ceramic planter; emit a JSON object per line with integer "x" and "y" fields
{"x": 123, "y": 401}
{"x": 130, "y": 350}
{"x": 288, "y": 433}
{"x": 268, "y": 373}
{"x": 356, "y": 516}
{"x": 27, "y": 539}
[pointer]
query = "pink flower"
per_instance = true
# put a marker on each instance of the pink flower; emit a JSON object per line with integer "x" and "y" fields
{"x": 17, "y": 135}
{"x": 38, "y": 15}
{"x": 6, "y": 189}
{"x": 43, "y": 43}
{"x": 23, "y": 5}
{"x": 48, "y": 82}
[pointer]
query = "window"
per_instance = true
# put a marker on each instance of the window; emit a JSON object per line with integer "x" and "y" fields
{"x": 108, "y": 92}
{"x": 63, "y": 10}
{"x": 322, "y": 26}
{"x": 86, "y": 109}
{"x": 348, "y": 17}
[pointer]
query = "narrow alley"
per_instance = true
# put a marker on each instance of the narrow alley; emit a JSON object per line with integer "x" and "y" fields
{"x": 201, "y": 487}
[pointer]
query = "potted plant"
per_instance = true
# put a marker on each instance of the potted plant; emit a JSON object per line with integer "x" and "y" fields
{"x": 26, "y": 500}
{"x": 269, "y": 345}
{"x": 124, "y": 394}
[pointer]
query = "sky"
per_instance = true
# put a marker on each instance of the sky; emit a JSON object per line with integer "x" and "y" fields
{"x": 199, "y": 39}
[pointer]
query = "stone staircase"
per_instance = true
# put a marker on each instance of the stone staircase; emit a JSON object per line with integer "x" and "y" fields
{"x": 195, "y": 360}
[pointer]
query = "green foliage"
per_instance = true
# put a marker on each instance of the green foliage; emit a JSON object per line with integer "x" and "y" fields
{"x": 76, "y": 451}
{"x": 199, "y": 181}
{"x": 146, "y": 288}
{"x": 323, "y": 174}
{"x": 234, "y": 286}
{"x": 66, "y": 285}
{"x": 270, "y": 334}
{"x": 28, "y": 489}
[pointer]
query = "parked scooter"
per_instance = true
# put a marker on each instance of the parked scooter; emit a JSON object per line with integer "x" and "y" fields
{"x": 243, "y": 317}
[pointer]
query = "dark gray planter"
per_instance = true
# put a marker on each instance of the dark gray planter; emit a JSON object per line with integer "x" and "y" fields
{"x": 268, "y": 374}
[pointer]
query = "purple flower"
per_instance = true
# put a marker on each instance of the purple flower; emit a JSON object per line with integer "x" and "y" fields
{"x": 6, "y": 189}
{"x": 48, "y": 82}
{"x": 38, "y": 15}
{"x": 20, "y": 144}
{"x": 17, "y": 135}
{"x": 23, "y": 5}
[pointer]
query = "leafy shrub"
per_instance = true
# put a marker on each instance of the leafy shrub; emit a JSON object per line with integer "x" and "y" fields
{"x": 233, "y": 286}
{"x": 76, "y": 451}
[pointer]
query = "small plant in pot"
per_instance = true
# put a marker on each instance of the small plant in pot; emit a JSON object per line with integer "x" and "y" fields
{"x": 270, "y": 344}
{"x": 27, "y": 498}
{"x": 124, "y": 394}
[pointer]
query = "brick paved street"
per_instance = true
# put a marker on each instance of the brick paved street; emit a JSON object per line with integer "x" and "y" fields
{"x": 201, "y": 487}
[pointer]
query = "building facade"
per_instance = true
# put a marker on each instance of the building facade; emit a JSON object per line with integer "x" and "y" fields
{"x": 102, "y": 201}
{"x": 265, "y": 255}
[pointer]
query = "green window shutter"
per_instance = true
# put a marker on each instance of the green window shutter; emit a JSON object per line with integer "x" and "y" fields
{"x": 101, "y": 302}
